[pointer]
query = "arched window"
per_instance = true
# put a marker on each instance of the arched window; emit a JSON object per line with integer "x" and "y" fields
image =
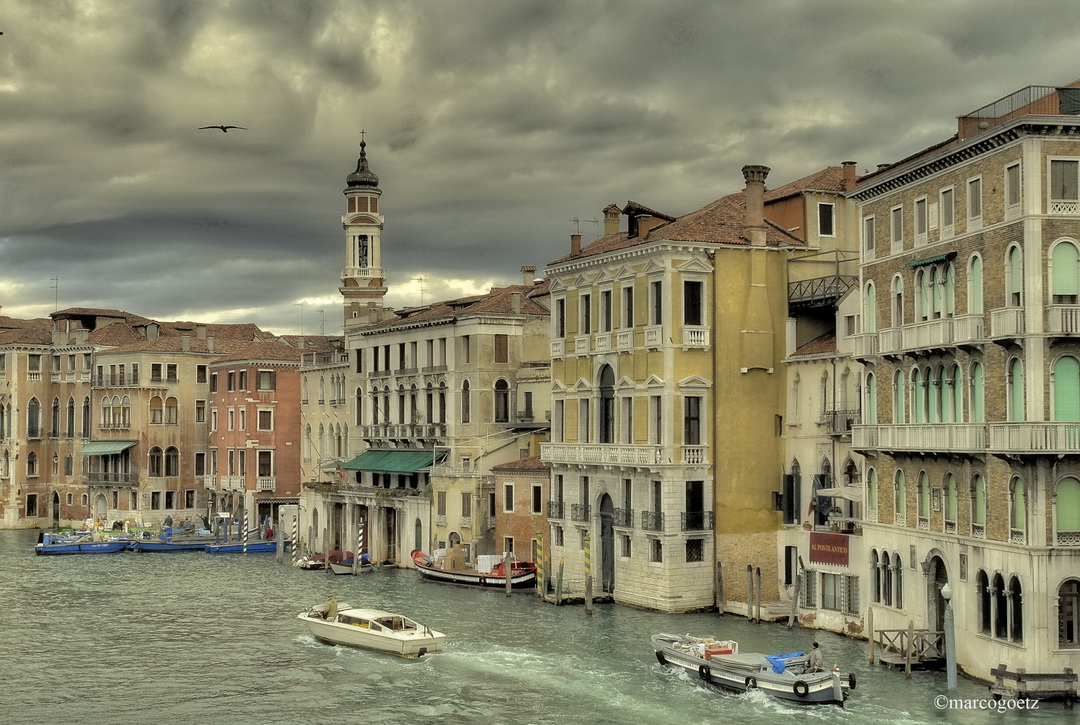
{"x": 1069, "y": 613}
{"x": 875, "y": 573}
{"x": 1065, "y": 274}
{"x": 33, "y": 418}
{"x": 1067, "y": 511}
{"x": 898, "y": 583}
{"x": 918, "y": 393}
{"x": 933, "y": 394}
{"x": 869, "y": 309}
{"x": 86, "y": 417}
{"x": 975, "y": 285}
{"x": 949, "y": 308}
{"x": 1015, "y": 385}
{"x": 982, "y": 589}
{"x": 55, "y": 423}
{"x": 924, "y": 498}
{"x": 1066, "y": 383}
{"x": 172, "y": 461}
{"x": 308, "y": 443}
{"x": 900, "y": 503}
{"x": 978, "y": 506}
{"x": 69, "y": 465}
{"x": 897, "y": 301}
{"x": 359, "y": 414}
{"x": 31, "y": 464}
{"x": 899, "y": 404}
{"x": 1014, "y": 278}
{"x": 106, "y": 412}
{"x": 156, "y": 468}
{"x": 951, "y": 503}
{"x": 921, "y": 292}
{"x": 55, "y": 464}
{"x": 172, "y": 416}
{"x": 795, "y": 408}
{"x": 872, "y": 494}
{"x": 1000, "y": 608}
{"x": 977, "y": 411}
{"x": 1018, "y": 508}
{"x": 502, "y": 402}
{"x": 870, "y": 407}
{"x": 886, "y": 579}
{"x": 157, "y": 409}
{"x": 1016, "y": 606}
{"x": 69, "y": 430}
{"x": 466, "y": 402}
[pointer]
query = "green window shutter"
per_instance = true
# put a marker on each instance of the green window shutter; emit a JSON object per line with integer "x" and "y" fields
{"x": 978, "y": 516}
{"x": 1066, "y": 389}
{"x": 1066, "y": 259}
{"x": 950, "y": 494}
{"x": 1068, "y": 505}
{"x": 977, "y": 410}
{"x": 1016, "y": 390}
{"x": 975, "y": 303}
{"x": 1019, "y": 506}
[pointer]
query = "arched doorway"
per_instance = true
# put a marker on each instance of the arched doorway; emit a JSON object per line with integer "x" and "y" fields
{"x": 936, "y": 578}
{"x": 101, "y": 506}
{"x": 54, "y": 510}
{"x": 418, "y": 535}
{"x": 607, "y": 544}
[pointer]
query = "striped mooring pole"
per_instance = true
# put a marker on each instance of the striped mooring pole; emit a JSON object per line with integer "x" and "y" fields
{"x": 359, "y": 548}
{"x": 245, "y": 530}
{"x": 540, "y": 562}
{"x": 588, "y": 573}
{"x": 295, "y": 539}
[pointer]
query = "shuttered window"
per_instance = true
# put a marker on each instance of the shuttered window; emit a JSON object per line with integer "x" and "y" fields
{"x": 1068, "y": 505}
{"x": 1064, "y": 285}
{"x": 1066, "y": 388}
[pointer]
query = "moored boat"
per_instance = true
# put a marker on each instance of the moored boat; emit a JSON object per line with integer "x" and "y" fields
{"x": 782, "y": 676}
{"x": 522, "y": 573}
{"x": 345, "y": 566}
{"x": 372, "y": 629}
{"x": 54, "y": 544}
{"x": 239, "y": 547}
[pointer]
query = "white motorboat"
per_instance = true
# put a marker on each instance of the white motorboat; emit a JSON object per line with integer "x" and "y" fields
{"x": 371, "y": 629}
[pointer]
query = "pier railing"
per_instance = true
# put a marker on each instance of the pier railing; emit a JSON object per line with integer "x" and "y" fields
{"x": 928, "y": 645}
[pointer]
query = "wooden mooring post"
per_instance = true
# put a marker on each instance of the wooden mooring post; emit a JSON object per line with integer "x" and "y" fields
{"x": 558, "y": 583}
{"x": 721, "y": 602}
{"x": 757, "y": 594}
{"x": 909, "y": 648}
{"x": 750, "y": 592}
{"x": 870, "y": 629}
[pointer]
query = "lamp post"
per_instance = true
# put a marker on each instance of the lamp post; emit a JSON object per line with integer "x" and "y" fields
{"x": 950, "y": 637}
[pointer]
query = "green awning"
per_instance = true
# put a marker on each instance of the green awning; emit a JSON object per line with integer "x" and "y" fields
{"x": 105, "y": 448}
{"x": 393, "y": 461}
{"x": 931, "y": 260}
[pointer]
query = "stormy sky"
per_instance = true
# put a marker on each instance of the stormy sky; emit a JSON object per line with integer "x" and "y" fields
{"x": 491, "y": 124}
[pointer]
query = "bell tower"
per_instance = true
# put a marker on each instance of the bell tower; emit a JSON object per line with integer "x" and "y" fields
{"x": 363, "y": 283}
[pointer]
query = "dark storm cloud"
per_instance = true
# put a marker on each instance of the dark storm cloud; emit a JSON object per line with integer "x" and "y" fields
{"x": 491, "y": 125}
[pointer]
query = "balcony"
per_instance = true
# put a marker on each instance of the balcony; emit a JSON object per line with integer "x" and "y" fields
{"x": 922, "y": 438}
{"x": 623, "y": 518}
{"x": 600, "y": 454}
{"x": 1006, "y": 322}
{"x": 654, "y": 336}
{"x": 555, "y": 509}
{"x": 266, "y": 483}
{"x": 558, "y": 348}
{"x": 839, "y": 421}
{"x": 1063, "y": 320}
{"x": 697, "y": 520}
{"x": 624, "y": 339}
{"x": 403, "y": 431}
{"x": 602, "y": 342}
{"x": 1020, "y": 439}
{"x": 652, "y": 521}
{"x": 99, "y": 478}
{"x": 695, "y": 337}
{"x": 864, "y": 345}
{"x": 694, "y": 455}
{"x": 581, "y": 345}
{"x": 580, "y": 512}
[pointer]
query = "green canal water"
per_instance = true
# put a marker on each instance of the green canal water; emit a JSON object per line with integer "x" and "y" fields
{"x": 195, "y": 638}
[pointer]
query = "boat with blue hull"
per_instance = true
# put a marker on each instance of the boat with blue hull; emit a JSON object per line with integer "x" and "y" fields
{"x": 55, "y": 544}
{"x": 786, "y": 677}
{"x": 239, "y": 547}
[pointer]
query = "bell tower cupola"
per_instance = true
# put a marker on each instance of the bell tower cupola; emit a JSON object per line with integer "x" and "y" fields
{"x": 363, "y": 283}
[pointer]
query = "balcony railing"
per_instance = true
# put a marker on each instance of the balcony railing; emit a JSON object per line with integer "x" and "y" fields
{"x": 652, "y": 521}
{"x": 624, "y": 339}
{"x": 654, "y": 336}
{"x": 579, "y": 512}
{"x": 600, "y": 454}
{"x": 864, "y": 345}
{"x": 697, "y": 520}
{"x": 1042, "y": 438}
{"x": 623, "y": 517}
{"x": 555, "y": 509}
{"x": 951, "y": 437}
{"x": 266, "y": 483}
{"x": 1007, "y": 322}
{"x": 840, "y": 421}
{"x": 695, "y": 337}
{"x": 558, "y": 348}
{"x": 1063, "y": 319}
{"x": 98, "y": 478}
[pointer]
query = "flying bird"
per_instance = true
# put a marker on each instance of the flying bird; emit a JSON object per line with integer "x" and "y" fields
{"x": 224, "y": 129}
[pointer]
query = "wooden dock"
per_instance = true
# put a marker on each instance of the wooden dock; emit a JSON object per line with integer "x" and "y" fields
{"x": 1041, "y": 686}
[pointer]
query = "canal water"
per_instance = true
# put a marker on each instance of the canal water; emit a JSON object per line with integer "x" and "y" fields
{"x": 197, "y": 638}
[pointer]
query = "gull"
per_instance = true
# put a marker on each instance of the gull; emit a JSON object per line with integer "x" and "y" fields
{"x": 224, "y": 129}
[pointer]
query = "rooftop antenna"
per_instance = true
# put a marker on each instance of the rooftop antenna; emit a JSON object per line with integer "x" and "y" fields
{"x": 594, "y": 222}
{"x": 322, "y": 323}
{"x": 421, "y": 280}
{"x": 56, "y": 293}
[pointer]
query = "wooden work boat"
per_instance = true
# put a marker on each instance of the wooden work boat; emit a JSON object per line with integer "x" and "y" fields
{"x": 522, "y": 573}
{"x": 719, "y": 662}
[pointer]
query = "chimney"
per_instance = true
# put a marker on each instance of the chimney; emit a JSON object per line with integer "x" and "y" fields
{"x": 755, "y": 203}
{"x": 515, "y": 302}
{"x": 185, "y": 342}
{"x": 848, "y": 182}
{"x": 611, "y": 219}
{"x": 210, "y": 343}
{"x": 372, "y": 313}
{"x": 200, "y": 332}
{"x": 528, "y": 275}
{"x": 575, "y": 244}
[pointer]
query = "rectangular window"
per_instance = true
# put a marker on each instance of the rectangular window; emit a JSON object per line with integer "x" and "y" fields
{"x": 266, "y": 420}
{"x": 626, "y": 546}
{"x": 560, "y": 318}
{"x": 692, "y": 420}
{"x": 155, "y": 373}
{"x": 502, "y": 349}
{"x": 947, "y": 212}
{"x": 241, "y": 461}
{"x": 656, "y": 420}
{"x": 155, "y": 500}
{"x": 584, "y": 424}
{"x": 1063, "y": 181}
{"x": 868, "y": 233}
{"x": 826, "y": 220}
{"x": 231, "y": 380}
{"x": 508, "y": 498}
{"x": 832, "y": 592}
{"x": 466, "y": 341}
{"x": 200, "y": 464}
{"x": 537, "y": 499}
{"x": 656, "y": 551}
{"x": 265, "y": 463}
{"x": 692, "y": 303}
{"x": 200, "y": 374}
{"x": 266, "y": 380}
{"x": 243, "y": 418}
{"x": 440, "y": 503}
{"x": 695, "y": 550}
{"x": 466, "y": 504}
{"x": 213, "y": 382}
{"x": 605, "y": 311}
{"x": 189, "y": 499}
{"x": 586, "y": 314}
{"x": 628, "y": 307}
{"x": 896, "y": 228}
{"x": 974, "y": 199}
{"x": 232, "y": 419}
{"x": 508, "y": 544}
{"x": 1012, "y": 185}
{"x": 243, "y": 380}
{"x": 921, "y": 223}
{"x": 171, "y": 374}
{"x": 657, "y": 314}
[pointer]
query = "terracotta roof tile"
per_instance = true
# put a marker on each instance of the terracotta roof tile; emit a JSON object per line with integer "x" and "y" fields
{"x": 499, "y": 301}
{"x": 820, "y": 345}
{"x": 532, "y": 463}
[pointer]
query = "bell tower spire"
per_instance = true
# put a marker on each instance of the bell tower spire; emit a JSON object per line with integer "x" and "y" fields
{"x": 363, "y": 283}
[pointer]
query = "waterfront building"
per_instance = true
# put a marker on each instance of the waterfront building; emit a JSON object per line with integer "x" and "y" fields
{"x": 255, "y": 428}
{"x": 519, "y": 506}
{"x": 437, "y": 395}
{"x": 970, "y": 304}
